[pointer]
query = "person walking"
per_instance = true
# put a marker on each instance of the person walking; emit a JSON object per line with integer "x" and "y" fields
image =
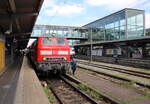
{"x": 73, "y": 65}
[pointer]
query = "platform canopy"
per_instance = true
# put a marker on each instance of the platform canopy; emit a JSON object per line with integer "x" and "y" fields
{"x": 145, "y": 39}
{"x": 17, "y": 18}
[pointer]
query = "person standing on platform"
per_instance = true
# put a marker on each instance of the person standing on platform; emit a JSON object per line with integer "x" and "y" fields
{"x": 73, "y": 65}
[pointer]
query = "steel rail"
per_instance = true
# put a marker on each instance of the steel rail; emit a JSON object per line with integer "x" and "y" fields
{"x": 80, "y": 91}
{"x": 116, "y": 77}
{"x": 75, "y": 89}
{"x": 79, "y": 82}
{"x": 54, "y": 92}
{"x": 131, "y": 72}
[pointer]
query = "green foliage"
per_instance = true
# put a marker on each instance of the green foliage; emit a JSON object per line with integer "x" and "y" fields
{"x": 50, "y": 95}
{"x": 90, "y": 92}
{"x": 83, "y": 87}
{"x": 147, "y": 94}
{"x": 47, "y": 90}
{"x": 51, "y": 99}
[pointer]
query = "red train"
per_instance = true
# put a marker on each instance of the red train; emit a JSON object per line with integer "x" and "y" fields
{"x": 50, "y": 54}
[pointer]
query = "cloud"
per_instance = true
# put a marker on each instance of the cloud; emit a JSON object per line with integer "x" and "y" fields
{"x": 48, "y": 3}
{"x": 147, "y": 20}
{"x": 64, "y": 9}
{"x": 115, "y": 4}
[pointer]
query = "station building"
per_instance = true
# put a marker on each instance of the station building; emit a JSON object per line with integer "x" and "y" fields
{"x": 121, "y": 33}
{"x": 124, "y": 24}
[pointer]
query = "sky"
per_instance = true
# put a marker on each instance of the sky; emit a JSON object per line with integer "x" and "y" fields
{"x": 81, "y": 12}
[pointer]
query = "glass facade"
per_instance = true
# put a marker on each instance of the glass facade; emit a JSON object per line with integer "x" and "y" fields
{"x": 124, "y": 24}
{"x": 135, "y": 23}
{"x": 127, "y": 23}
{"x": 148, "y": 32}
{"x": 61, "y": 31}
{"x": 67, "y": 31}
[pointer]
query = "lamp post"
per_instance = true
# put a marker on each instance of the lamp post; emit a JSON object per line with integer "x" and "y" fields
{"x": 91, "y": 44}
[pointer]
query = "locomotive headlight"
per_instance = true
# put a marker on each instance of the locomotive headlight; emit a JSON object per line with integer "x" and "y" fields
{"x": 46, "y": 52}
{"x": 44, "y": 58}
{"x": 65, "y": 58}
{"x": 62, "y": 52}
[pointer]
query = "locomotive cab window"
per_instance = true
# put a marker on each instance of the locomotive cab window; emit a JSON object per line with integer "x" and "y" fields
{"x": 53, "y": 41}
{"x": 47, "y": 41}
{"x": 60, "y": 41}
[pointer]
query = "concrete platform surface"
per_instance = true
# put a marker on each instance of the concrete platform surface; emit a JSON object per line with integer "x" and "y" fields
{"x": 8, "y": 82}
{"x": 29, "y": 89}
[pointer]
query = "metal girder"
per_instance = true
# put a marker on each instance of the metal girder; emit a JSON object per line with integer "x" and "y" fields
{"x": 61, "y": 27}
{"x": 13, "y": 10}
{"x": 25, "y": 39}
{"x": 12, "y": 5}
{"x": 24, "y": 14}
{"x": 16, "y": 15}
{"x": 18, "y": 34}
{"x": 18, "y": 25}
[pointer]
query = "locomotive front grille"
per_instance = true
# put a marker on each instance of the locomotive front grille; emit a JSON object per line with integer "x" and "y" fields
{"x": 54, "y": 58}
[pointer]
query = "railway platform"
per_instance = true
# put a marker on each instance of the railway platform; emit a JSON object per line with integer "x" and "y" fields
{"x": 20, "y": 85}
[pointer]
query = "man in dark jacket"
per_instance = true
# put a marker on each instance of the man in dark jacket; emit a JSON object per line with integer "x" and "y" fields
{"x": 73, "y": 65}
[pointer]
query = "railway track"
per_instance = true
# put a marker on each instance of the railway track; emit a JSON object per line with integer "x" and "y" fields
{"x": 66, "y": 90}
{"x": 106, "y": 99}
{"x": 142, "y": 63}
{"x": 66, "y": 93}
{"x": 143, "y": 89}
{"x": 116, "y": 77}
{"x": 131, "y": 72}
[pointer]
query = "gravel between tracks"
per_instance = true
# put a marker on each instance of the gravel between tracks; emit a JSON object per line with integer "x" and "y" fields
{"x": 66, "y": 93}
{"x": 121, "y": 75}
{"x": 115, "y": 91}
{"x": 118, "y": 66}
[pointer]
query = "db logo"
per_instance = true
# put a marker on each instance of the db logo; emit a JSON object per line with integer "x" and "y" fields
{"x": 55, "y": 52}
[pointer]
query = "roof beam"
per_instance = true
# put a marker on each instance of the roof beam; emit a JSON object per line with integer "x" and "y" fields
{"x": 12, "y": 5}
{"x": 16, "y": 15}
{"x": 24, "y": 39}
{"x": 13, "y": 9}
{"x": 24, "y": 14}
{"x": 19, "y": 34}
{"x": 18, "y": 25}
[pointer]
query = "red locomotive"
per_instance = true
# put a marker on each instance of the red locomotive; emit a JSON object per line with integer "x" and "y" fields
{"x": 51, "y": 54}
